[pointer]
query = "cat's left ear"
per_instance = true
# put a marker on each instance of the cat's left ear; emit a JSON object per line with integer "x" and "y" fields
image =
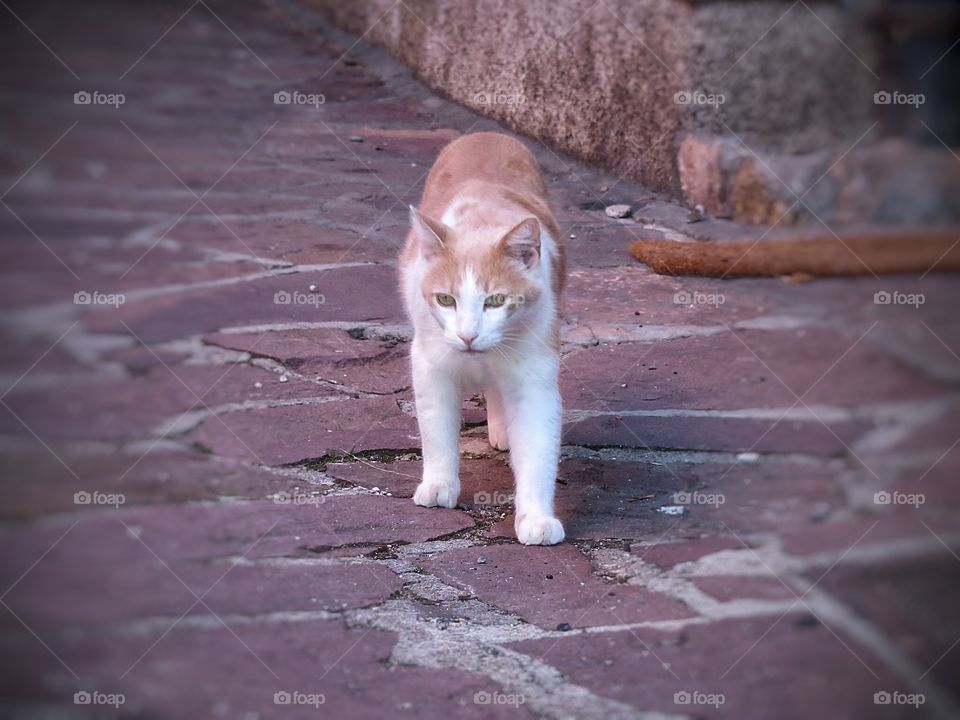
{"x": 523, "y": 242}
{"x": 431, "y": 234}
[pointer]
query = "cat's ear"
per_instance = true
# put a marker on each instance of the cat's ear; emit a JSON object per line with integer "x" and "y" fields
{"x": 523, "y": 242}
{"x": 431, "y": 234}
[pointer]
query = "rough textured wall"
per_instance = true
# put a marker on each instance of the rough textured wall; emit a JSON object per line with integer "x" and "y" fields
{"x": 600, "y": 79}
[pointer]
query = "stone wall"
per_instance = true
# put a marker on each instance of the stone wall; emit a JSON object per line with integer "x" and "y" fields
{"x": 655, "y": 90}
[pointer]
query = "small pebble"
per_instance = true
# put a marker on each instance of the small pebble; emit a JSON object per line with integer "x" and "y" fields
{"x": 696, "y": 215}
{"x": 481, "y": 560}
{"x": 258, "y": 384}
{"x": 284, "y": 378}
{"x": 312, "y": 288}
{"x": 618, "y": 211}
{"x": 564, "y": 627}
{"x": 672, "y": 509}
{"x": 549, "y": 577}
{"x": 356, "y": 138}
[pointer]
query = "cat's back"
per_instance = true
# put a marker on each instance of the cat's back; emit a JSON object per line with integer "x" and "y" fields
{"x": 486, "y": 157}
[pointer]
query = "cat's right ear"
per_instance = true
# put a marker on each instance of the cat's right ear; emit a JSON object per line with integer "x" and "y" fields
{"x": 432, "y": 236}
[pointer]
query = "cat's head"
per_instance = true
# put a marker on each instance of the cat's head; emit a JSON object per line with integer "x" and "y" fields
{"x": 482, "y": 294}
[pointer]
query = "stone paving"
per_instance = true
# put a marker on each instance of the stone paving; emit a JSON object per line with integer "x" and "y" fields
{"x": 209, "y": 452}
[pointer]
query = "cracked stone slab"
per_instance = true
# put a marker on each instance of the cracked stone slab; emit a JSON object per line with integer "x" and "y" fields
{"x": 142, "y": 475}
{"x": 137, "y": 406}
{"x": 600, "y": 499}
{"x": 150, "y": 589}
{"x": 746, "y": 369}
{"x": 549, "y": 587}
{"x": 793, "y": 668}
{"x": 288, "y": 527}
{"x": 243, "y": 666}
{"x": 366, "y": 293}
{"x": 376, "y": 366}
{"x": 305, "y": 432}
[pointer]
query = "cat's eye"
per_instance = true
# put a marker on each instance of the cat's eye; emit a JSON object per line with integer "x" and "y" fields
{"x": 495, "y": 301}
{"x": 445, "y": 300}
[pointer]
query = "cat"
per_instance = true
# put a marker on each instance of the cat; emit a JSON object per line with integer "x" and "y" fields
{"x": 481, "y": 274}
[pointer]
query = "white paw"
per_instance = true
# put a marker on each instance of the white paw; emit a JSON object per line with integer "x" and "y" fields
{"x": 539, "y": 530}
{"x": 497, "y": 437}
{"x": 433, "y": 493}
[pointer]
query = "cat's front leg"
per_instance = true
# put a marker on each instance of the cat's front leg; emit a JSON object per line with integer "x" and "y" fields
{"x": 438, "y": 398}
{"x": 534, "y": 407}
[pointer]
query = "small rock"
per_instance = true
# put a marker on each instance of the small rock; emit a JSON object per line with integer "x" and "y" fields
{"x": 748, "y": 457}
{"x": 481, "y": 560}
{"x": 284, "y": 378}
{"x": 672, "y": 509}
{"x": 564, "y": 627}
{"x": 258, "y": 384}
{"x": 696, "y": 215}
{"x": 312, "y": 288}
{"x": 356, "y": 138}
{"x": 618, "y": 211}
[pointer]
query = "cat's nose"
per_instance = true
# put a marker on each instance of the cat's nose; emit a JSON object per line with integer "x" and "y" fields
{"x": 467, "y": 339}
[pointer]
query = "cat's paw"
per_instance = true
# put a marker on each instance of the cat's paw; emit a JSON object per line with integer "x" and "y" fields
{"x": 539, "y": 530}
{"x": 432, "y": 493}
{"x": 497, "y": 437}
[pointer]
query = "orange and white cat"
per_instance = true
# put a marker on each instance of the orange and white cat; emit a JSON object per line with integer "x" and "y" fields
{"x": 481, "y": 274}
